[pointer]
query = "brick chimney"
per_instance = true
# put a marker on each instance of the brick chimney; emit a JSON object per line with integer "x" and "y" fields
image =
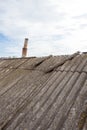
{"x": 24, "y": 49}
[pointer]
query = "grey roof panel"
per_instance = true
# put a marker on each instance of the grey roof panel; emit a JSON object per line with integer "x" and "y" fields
{"x": 47, "y": 93}
{"x": 76, "y": 111}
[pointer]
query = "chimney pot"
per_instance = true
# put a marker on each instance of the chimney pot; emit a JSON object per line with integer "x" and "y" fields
{"x": 24, "y": 49}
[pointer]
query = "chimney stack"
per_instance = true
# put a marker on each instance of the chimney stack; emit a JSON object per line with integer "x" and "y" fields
{"x": 24, "y": 49}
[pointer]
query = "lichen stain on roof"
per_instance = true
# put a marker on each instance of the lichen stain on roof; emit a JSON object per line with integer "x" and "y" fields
{"x": 47, "y": 93}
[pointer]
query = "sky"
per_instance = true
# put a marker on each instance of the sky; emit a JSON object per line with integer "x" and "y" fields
{"x": 54, "y": 27}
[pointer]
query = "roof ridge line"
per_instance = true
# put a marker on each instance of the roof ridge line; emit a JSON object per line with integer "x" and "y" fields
{"x": 40, "y": 62}
{"x": 62, "y": 62}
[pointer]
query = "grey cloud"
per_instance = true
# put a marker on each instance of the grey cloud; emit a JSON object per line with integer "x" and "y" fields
{"x": 20, "y": 14}
{"x": 82, "y": 26}
{"x": 57, "y": 37}
{"x": 42, "y": 11}
{"x": 82, "y": 16}
{"x": 69, "y": 31}
{"x": 49, "y": 38}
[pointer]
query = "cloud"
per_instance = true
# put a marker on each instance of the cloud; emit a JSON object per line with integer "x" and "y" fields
{"x": 52, "y": 26}
{"x": 81, "y": 16}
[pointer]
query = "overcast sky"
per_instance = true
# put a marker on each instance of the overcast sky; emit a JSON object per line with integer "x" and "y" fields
{"x": 52, "y": 26}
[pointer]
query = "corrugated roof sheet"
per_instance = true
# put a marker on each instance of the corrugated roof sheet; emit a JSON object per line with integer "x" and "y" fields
{"x": 47, "y": 93}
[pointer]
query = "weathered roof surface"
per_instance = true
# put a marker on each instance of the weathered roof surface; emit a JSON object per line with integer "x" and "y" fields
{"x": 48, "y": 93}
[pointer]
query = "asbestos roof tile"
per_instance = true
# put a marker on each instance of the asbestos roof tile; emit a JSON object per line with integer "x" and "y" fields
{"x": 49, "y": 63}
{"x": 82, "y": 63}
{"x": 77, "y": 109}
{"x": 85, "y": 68}
{"x": 33, "y": 62}
{"x": 46, "y": 93}
{"x": 6, "y": 63}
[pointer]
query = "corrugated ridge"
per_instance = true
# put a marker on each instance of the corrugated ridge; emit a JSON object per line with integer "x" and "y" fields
{"x": 62, "y": 62}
